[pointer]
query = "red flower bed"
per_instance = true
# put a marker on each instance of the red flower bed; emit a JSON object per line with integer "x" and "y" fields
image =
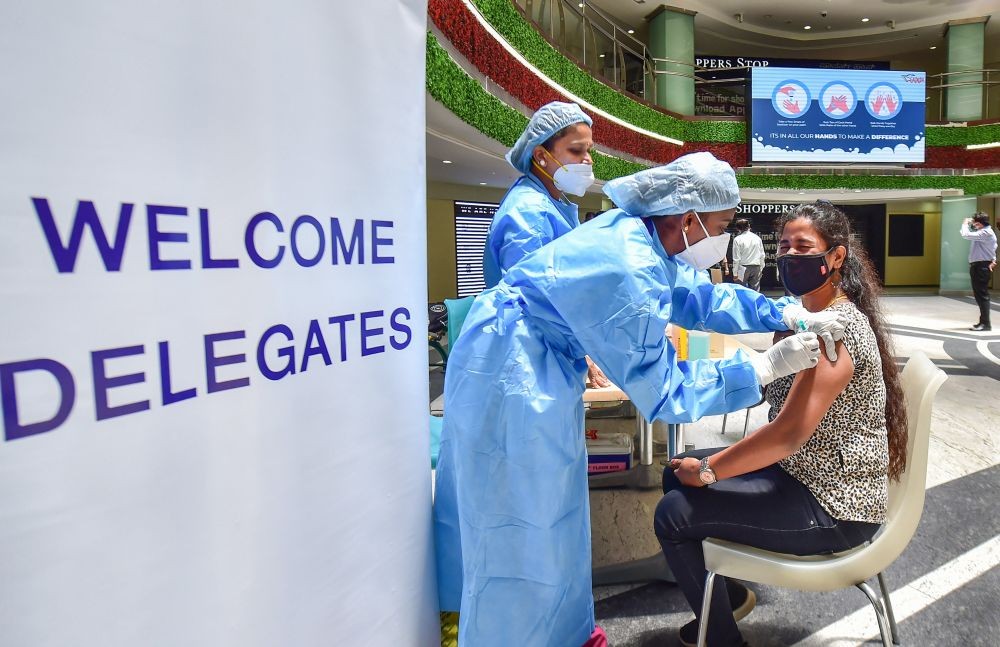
{"x": 959, "y": 157}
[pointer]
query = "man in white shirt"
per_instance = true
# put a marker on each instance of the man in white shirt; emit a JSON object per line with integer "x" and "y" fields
{"x": 982, "y": 260}
{"x": 748, "y": 255}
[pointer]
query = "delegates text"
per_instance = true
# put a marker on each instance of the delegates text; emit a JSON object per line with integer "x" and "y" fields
{"x": 277, "y": 352}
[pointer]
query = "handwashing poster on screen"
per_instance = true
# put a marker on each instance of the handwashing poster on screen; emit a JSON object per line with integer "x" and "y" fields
{"x": 823, "y": 115}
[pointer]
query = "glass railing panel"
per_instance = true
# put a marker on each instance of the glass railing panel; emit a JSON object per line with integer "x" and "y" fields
{"x": 594, "y": 39}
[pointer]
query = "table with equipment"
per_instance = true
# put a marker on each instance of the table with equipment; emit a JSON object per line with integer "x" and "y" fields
{"x": 624, "y": 547}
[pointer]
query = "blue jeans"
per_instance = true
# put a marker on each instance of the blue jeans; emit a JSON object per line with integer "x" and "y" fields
{"x": 767, "y": 509}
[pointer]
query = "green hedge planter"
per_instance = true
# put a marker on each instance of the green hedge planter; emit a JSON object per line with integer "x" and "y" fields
{"x": 971, "y": 184}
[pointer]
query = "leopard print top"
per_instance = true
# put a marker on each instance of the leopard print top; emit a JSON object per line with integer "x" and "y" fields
{"x": 846, "y": 461}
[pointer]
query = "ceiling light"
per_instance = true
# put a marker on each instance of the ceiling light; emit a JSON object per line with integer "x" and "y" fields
{"x": 631, "y": 31}
{"x": 933, "y": 46}
{"x": 580, "y": 5}
{"x": 600, "y": 56}
{"x": 807, "y": 27}
{"x": 865, "y": 19}
{"x": 446, "y": 161}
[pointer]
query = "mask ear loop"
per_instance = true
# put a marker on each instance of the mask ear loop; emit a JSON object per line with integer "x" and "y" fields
{"x": 541, "y": 170}
{"x": 546, "y": 174}
{"x": 835, "y": 276}
{"x": 684, "y": 229}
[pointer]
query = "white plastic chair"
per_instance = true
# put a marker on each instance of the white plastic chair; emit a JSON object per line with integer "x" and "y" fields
{"x": 921, "y": 381}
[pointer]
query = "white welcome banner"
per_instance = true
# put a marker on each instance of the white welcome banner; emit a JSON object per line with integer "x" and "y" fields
{"x": 212, "y": 315}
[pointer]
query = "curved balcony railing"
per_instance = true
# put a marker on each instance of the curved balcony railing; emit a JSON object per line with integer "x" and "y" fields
{"x": 605, "y": 48}
{"x": 989, "y": 80}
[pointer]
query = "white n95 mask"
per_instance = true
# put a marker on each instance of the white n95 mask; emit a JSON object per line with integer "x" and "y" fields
{"x": 574, "y": 178}
{"x": 706, "y": 252}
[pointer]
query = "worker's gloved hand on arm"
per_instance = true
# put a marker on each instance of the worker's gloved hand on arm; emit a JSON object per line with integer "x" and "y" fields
{"x": 828, "y": 325}
{"x": 790, "y": 355}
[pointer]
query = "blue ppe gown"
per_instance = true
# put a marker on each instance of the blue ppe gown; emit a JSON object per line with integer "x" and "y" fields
{"x": 528, "y": 218}
{"x": 511, "y": 510}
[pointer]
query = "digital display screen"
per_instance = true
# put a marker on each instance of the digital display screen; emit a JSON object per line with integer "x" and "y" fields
{"x": 825, "y": 115}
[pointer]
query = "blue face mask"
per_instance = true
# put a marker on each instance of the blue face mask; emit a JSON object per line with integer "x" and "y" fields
{"x": 803, "y": 273}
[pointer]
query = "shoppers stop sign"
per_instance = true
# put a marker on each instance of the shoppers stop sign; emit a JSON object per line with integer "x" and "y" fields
{"x": 721, "y": 80}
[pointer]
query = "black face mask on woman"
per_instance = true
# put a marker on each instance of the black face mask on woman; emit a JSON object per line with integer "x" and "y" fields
{"x": 803, "y": 273}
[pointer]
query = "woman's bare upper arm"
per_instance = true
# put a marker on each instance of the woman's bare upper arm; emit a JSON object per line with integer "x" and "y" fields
{"x": 812, "y": 394}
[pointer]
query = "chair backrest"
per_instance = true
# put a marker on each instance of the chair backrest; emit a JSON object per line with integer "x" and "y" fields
{"x": 457, "y": 311}
{"x": 921, "y": 381}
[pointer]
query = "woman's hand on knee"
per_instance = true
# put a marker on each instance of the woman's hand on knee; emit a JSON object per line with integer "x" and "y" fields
{"x": 686, "y": 471}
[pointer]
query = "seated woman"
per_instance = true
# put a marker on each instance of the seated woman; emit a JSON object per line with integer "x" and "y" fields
{"x": 815, "y": 478}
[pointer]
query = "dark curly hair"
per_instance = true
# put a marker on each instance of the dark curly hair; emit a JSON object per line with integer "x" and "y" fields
{"x": 860, "y": 283}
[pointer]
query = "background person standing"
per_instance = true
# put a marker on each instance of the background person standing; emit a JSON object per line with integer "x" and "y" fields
{"x": 748, "y": 255}
{"x": 982, "y": 260}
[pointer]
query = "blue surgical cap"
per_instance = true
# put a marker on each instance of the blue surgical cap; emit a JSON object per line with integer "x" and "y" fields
{"x": 698, "y": 182}
{"x": 546, "y": 122}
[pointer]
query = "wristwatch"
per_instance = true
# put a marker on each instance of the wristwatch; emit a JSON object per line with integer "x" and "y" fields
{"x": 705, "y": 472}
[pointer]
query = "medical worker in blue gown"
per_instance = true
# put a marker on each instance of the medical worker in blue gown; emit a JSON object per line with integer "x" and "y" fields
{"x": 511, "y": 507}
{"x": 553, "y": 155}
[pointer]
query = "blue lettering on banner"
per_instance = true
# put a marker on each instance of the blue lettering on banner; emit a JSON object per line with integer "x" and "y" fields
{"x": 378, "y": 242}
{"x": 156, "y": 237}
{"x": 103, "y": 383}
{"x": 287, "y": 352}
{"x": 221, "y": 349}
{"x": 248, "y": 240}
{"x": 400, "y": 328}
{"x": 206, "y": 247}
{"x": 282, "y": 350}
{"x": 367, "y": 241}
{"x": 86, "y": 216}
{"x": 13, "y": 428}
{"x": 342, "y": 322}
{"x": 167, "y": 395}
{"x": 299, "y": 258}
{"x": 357, "y": 242}
{"x": 315, "y": 345}
{"x": 213, "y": 362}
{"x": 367, "y": 332}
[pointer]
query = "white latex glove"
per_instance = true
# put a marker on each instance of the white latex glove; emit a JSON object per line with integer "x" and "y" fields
{"x": 828, "y": 325}
{"x": 790, "y": 355}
